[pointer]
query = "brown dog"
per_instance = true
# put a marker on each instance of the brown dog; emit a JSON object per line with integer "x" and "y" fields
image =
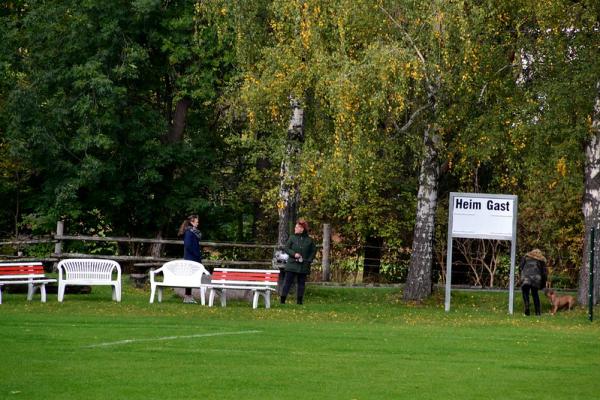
{"x": 559, "y": 302}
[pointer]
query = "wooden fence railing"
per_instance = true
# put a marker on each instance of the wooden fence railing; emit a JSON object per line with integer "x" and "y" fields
{"x": 148, "y": 261}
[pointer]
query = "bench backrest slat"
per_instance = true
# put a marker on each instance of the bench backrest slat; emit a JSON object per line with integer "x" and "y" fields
{"x": 233, "y": 276}
{"x": 244, "y": 277}
{"x": 21, "y": 264}
{"x": 21, "y": 270}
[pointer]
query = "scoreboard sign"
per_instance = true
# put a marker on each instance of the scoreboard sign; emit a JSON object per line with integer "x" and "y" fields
{"x": 482, "y": 216}
{"x": 475, "y": 216}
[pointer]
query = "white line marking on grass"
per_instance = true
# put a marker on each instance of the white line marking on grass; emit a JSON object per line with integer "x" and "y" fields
{"x": 127, "y": 341}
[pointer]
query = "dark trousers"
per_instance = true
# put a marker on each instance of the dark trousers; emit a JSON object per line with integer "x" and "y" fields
{"x": 288, "y": 280}
{"x": 536, "y": 299}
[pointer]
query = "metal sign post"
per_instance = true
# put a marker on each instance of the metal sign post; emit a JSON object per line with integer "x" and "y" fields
{"x": 482, "y": 216}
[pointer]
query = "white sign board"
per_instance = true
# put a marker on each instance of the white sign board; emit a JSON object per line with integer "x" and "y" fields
{"x": 482, "y": 216}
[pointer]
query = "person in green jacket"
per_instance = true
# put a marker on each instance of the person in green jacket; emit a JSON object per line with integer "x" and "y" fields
{"x": 301, "y": 249}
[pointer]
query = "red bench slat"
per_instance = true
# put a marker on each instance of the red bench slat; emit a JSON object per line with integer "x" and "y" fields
{"x": 245, "y": 276}
{"x": 232, "y": 275}
{"x": 219, "y": 279}
{"x": 21, "y": 270}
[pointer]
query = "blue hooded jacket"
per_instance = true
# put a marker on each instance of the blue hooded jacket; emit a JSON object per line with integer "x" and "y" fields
{"x": 191, "y": 246}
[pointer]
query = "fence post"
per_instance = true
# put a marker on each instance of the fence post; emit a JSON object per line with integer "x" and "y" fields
{"x": 325, "y": 261}
{"x": 60, "y": 228}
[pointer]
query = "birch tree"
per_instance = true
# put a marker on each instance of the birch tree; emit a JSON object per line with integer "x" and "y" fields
{"x": 277, "y": 77}
{"x": 591, "y": 204}
{"x": 289, "y": 188}
{"x": 565, "y": 78}
{"x": 418, "y": 282}
{"x": 336, "y": 60}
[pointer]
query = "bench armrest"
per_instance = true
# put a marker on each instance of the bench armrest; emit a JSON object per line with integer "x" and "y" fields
{"x": 152, "y": 273}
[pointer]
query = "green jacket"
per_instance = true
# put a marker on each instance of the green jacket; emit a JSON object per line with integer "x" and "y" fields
{"x": 303, "y": 245}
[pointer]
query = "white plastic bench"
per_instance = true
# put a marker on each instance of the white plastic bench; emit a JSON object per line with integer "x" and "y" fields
{"x": 25, "y": 273}
{"x": 178, "y": 273}
{"x": 261, "y": 282}
{"x": 89, "y": 272}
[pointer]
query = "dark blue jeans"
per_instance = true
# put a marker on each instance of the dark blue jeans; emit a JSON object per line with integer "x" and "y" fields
{"x": 287, "y": 284}
{"x": 536, "y": 298}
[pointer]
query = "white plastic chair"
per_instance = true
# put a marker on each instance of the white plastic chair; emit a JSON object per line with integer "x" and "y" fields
{"x": 179, "y": 273}
{"x": 88, "y": 272}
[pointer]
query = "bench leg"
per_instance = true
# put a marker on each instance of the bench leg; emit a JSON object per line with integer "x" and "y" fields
{"x": 255, "y": 299}
{"x": 222, "y": 293}
{"x": 268, "y": 299}
{"x": 266, "y": 295}
{"x": 30, "y": 291}
{"x": 211, "y": 297}
{"x": 202, "y": 295}
{"x": 223, "y": 297}
{"x": 43, "y": 292}
{"x": 152, "y": 293}
{"x": 61, "y": 291}
{"x": 116, "y": 292}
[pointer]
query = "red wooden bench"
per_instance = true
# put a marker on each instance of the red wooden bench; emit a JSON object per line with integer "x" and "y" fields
{"x": 25, "y": 273}
{"x": 261, "y": 282}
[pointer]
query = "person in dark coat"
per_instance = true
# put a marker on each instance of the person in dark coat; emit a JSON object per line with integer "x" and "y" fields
{"x": 301, "y": 250}
{"x": 533, "y": 278}
{"x": 191, "y": 247}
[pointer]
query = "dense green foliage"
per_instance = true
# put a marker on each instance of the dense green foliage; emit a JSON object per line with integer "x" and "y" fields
{"x": 90, "y": 95}
{"x": 124, "y": 116}
{"x": 344, "y": 343}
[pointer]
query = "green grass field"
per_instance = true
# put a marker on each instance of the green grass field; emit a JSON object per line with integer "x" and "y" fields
{"x": 344, "y": 343}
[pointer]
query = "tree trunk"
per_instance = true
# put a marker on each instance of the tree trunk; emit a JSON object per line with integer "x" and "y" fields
{"x": 156, "y": 249}
{"x": 591, "y": 204}
{"x": 289, "y": 194}
{"x": 177, "y": 125}
{"x": 174, "y": 135}
{"x": 418, "y": 281}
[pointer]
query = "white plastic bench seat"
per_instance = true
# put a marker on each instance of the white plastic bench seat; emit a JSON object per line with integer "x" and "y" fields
{"x": 25, "y": 273}
{"x": 89, "y": 272}
{"x": 261, "y": 282}
{"x": 178, "y": 273}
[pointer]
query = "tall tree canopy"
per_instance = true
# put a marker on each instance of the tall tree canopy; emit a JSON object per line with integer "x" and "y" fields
{"x": 113, "y": 108}
{"x": 136, "y": 112}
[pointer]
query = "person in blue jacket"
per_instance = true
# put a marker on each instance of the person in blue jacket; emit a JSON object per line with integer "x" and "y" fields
{"x": 191, "y": 246}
